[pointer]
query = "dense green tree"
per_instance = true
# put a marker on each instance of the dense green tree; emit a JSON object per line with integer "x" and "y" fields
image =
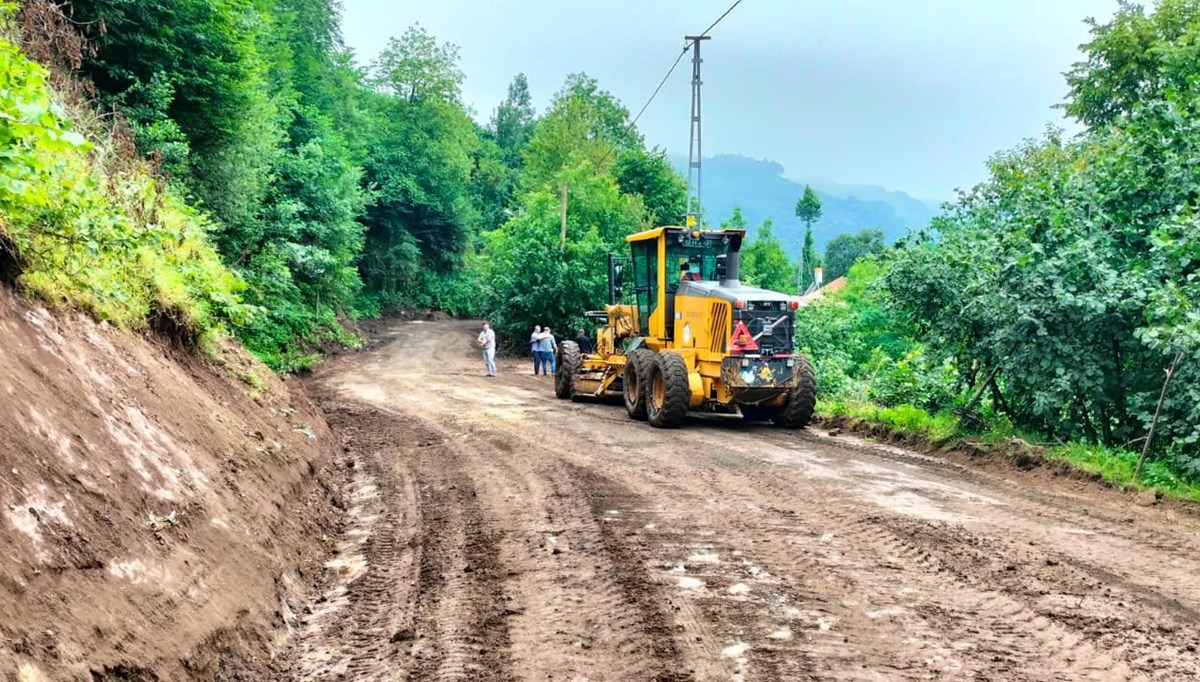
{"x": 808, "y": 209}
{"x": 420, "y": 163}
{"x": 844, "y": 249}
{"x": 584, "y": 124}
{"x": 415, "y": 67}
{"x": 649, "y": 174}
{"x": 255, "y": 108}
{"x": 191, "y": 72}
{"x": 512, "y": 122}
{"x": 736, "y": 221}
{"x": 764, "y": 262}
{"x": 498, "y": 161}
{"x": 494, "y": 184}
{"x": 424, "y": 161}
{"x": 1065, "y": 285}
{"x": 1133, "y": 59}
{"x": 808, "y": 206}
{"x": 535, "y": 278}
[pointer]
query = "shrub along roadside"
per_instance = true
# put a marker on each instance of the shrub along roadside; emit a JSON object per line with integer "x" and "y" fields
{"x": 872, "y": 370}
{"x": 89, "y": 227}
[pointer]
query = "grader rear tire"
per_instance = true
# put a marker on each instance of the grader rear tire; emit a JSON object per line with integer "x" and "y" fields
{"x": 669, "y": 392}
{"x": 803, "y": 401}
{"x": 569, "y": 364}
{"x": 636, "y": 381}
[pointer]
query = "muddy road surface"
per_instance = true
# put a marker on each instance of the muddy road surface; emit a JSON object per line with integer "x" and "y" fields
{"x": 496, "y": 533}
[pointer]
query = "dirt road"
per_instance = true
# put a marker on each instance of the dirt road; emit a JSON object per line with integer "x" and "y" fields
{"x": 497, "y": 533}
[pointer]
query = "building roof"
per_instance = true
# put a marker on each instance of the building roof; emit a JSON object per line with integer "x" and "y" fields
{"x": 817, "y": 295}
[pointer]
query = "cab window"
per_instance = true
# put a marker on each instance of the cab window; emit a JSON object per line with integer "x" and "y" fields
{"x": 693, "y": 259}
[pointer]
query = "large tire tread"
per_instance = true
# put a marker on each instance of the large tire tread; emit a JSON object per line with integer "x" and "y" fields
{"x": 568, "y": 365}
{"x": 803, "y": 401}
{"x": 673, "y": 371}
{"x": 637, "y": 368}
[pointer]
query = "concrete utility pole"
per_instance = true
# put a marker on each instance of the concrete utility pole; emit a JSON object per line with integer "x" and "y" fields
{"x": 695, "y": 153}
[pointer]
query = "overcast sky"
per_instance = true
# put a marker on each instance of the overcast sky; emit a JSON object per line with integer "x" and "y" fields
{"x": 910, "y": 94}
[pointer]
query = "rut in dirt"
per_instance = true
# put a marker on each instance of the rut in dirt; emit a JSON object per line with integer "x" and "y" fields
{"x": 494, "y": 532}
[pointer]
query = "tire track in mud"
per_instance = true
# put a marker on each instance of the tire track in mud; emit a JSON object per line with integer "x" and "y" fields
{"x": 571, "y": 613}
{"x": 1058, "y": 639}
{"x": 993, "y": 583}
{"x": 793, "y": 615}
{"x": 697, "y": 651}
{"x": 1003, "y": 611}
{"x": 871, "y": 546}
{"x": 850, "y": 561}
{"x": 417, "y": 587}
{"x": 349, "y": 633}
{"x": 1064, "y": 508}
{"x": 461, "y": 632}
{"x": 723, "y": 625}
{"x": 603, "y": 497}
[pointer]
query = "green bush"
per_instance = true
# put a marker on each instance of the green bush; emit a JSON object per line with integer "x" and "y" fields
{"x": 108, "y": 239}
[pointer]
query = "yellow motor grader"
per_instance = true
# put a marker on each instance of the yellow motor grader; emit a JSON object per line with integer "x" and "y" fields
{"x": 690, "y": 337}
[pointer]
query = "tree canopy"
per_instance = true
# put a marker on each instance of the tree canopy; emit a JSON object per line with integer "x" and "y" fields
{"x": 808, "y": 209}
{"x": 844, "y": 249}
{"x": 765, "y": 264}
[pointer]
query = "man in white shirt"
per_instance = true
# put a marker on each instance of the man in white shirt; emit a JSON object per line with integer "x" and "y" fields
{"x": 535, "y": 348}
{"x": 487, "y": 342}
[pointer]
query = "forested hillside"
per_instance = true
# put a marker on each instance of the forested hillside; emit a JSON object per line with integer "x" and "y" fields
{"x": 760, "y": 189}
{"x": 331, "y": 191}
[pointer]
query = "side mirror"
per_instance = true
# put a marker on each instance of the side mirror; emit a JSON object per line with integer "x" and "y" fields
{"x": 616, "y": 272}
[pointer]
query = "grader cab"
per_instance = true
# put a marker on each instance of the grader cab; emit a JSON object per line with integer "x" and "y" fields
{"x": 682, "y": 334}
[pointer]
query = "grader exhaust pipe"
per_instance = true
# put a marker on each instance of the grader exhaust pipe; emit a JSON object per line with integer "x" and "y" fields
{"x": 733, "y": 266}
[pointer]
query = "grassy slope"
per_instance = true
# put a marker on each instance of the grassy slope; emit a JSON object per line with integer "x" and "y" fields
{"x": 88, "y": 223}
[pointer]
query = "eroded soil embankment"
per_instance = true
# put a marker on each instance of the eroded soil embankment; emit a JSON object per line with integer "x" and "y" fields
{"x": 161, "y": 517}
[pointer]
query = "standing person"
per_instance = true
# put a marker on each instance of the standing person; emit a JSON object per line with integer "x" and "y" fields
{"x": 584, "y": 343}
{"x": 535, "y": 349}
{"x": 549, "y": 348}
{"x": 487, "y": 343}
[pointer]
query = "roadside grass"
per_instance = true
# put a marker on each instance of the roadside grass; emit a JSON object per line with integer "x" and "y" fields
{"x": 1114, "y": 465}
{"x": 906, "y": 419}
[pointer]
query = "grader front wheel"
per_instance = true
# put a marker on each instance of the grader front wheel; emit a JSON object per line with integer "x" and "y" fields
{"x": 635, "y": 382}
{"x": 803, "y": 401}
{"x": 569, "y": 364}
{"x": 669, "y": 391}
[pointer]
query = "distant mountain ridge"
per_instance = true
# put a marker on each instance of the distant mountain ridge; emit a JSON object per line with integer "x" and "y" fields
{"x": 760, "y": 188}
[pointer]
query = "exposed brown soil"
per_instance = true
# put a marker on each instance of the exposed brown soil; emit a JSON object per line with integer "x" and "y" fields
{"x": 165, "y": 520}
{"x": 496, "y": 533}
{"x": 161, "y": 516}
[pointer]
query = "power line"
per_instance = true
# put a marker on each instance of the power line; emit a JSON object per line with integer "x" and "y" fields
{"x": 714, "y": 24}
{"x": 679, "y": 59}
{"x": 660, "y": 84}
{"x": 672, "y": 70}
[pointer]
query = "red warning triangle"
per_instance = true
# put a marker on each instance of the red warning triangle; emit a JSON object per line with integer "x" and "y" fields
{"x": 742, "y": 339}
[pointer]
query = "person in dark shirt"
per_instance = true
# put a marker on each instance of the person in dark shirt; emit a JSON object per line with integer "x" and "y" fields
{"x": 584, "y": 343}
